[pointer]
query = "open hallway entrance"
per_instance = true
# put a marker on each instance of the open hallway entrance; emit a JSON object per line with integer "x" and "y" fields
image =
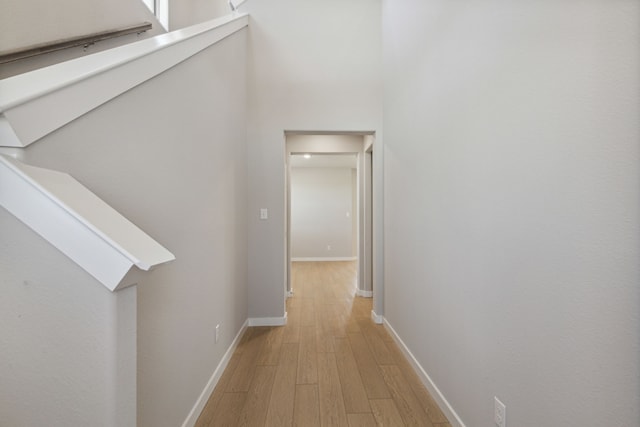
{"x": 317, "y": 161}
{"x": 330, "y": 365}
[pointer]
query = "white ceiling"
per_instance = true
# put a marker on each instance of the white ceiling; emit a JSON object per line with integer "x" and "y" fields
{"x": 320, "y": 160}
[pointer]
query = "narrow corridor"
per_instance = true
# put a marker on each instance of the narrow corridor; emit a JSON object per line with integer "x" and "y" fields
{"x": 329, "y": 366}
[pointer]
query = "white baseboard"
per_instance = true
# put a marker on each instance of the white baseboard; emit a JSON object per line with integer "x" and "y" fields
{"x": 211, "y": 384}
{"x": 268, "y": 321}
{"x": 307, "y": 259}
{"x": 378, "y": 319}
{"x": 442, "y": 402}
{"x": 365, "y": 294}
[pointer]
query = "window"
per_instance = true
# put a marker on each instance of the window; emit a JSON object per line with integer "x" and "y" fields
{"x": 160, "y": 8}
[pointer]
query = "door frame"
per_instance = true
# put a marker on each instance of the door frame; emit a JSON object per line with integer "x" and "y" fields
{"x": 369, "y": 221}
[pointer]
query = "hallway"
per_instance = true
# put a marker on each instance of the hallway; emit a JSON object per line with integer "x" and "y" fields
{"x": 330, "y": 365}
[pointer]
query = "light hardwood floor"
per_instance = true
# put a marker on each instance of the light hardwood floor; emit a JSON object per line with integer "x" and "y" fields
{"x": 329, "y": 366}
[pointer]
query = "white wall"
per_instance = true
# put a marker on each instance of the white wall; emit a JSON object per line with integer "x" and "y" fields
{"x": 57, "y": 337}
{"x": 511, "y": 135}
{"x": 322, "y": 213}
{"x": 312, "y": 66}
{"x": 354, "y": 212}
{"x": 28, "y": 22}
{"x": 183, "y": 13}
{"x": 170, "y": 155}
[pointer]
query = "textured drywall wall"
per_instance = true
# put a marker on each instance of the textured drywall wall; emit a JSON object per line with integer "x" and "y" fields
{"x": 183, "y": 13}
{"x": 170, "y": 155}
{"x": 512, "y": 197}
{"x": 312, "y": 66}
{"x": 57, "y": 330}
{"x": 322, "y": 213}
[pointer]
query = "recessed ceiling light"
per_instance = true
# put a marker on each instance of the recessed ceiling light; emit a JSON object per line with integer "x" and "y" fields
{"x": 307, "y": 156}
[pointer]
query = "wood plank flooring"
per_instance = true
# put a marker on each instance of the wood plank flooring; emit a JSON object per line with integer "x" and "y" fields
{"x": 329, "y": 366}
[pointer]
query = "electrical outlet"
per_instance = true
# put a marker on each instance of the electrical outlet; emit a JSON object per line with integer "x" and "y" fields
{"x": 500, "y": 413}
{"x": 264, "y": 213}
{"x": 217, "y": 332}
{"x": 328, "y": 247}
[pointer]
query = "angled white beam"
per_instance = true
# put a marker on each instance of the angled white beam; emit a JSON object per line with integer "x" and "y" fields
{"x": 78, "y": 223}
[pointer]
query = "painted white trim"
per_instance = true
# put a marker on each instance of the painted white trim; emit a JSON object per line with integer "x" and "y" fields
{"x": 312, "y": 259}
{"x": 36, "y": 103}
{"x": 442, "y": 402}
{"x": 268, "y": 321}
{"x": 213, "y": 381}
{"x": 376, "y": 318}
{"x": 364, "y": 294}
{"x": 78, "y": 223}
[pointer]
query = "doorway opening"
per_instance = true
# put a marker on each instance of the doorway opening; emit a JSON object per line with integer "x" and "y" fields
{"x": 317, "y": 165}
